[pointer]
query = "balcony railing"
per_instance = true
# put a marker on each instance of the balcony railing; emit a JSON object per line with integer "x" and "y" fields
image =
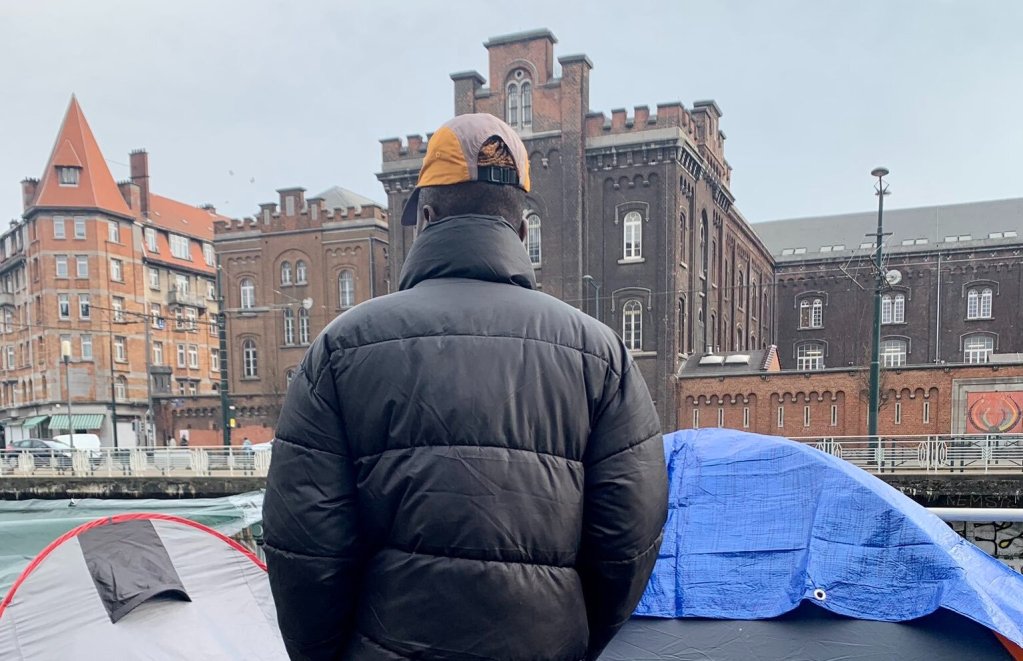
{"x": 184, "y": 298}
{"x": 213, "y": 461}
{"x": 954, "y": 453}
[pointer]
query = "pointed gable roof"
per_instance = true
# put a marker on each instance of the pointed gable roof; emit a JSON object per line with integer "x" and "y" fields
{"x": 77, "y": 147}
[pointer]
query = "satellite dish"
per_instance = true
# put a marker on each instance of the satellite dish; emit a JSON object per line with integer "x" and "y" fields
{"x": 893, "y": 277}
{"x": 307, "y": 303}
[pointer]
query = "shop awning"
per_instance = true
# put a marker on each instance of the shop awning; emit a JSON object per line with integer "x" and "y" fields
{"x": 80, "y": 421}
{"x": 34, "y": 421}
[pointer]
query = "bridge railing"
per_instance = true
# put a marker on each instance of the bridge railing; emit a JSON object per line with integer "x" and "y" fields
{"x": 200, "y": 461}
{"x": 951, "y": 453}
{"x": 956, "y": 453}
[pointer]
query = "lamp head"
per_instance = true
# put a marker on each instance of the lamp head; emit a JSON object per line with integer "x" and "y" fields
{"x": 879, "y": 172}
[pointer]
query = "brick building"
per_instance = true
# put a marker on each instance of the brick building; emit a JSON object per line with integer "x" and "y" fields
{"x": 631, "y": 217}
{"x": 286, "y": 274}
{"x": 97, "y": 263}
{"x": 825, "y": 286}
{"x": 748, "y": 391}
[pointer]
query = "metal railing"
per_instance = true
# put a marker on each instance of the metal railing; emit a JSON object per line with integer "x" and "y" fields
{"x": 954, "y": 453}
{"x": 884, "y": 454}
{"x": 212, "y": 461}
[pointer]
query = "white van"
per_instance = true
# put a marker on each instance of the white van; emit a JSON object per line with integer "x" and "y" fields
{"x": 85, "y": 442}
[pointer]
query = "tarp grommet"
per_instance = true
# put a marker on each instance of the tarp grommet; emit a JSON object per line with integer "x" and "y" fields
{"x": 820, "y": 595}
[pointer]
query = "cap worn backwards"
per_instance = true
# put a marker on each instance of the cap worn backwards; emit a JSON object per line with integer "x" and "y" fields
{"x": 474, "y": 147}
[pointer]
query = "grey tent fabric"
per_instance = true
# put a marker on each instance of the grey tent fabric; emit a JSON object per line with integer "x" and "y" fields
{"x": 129, "y": 565}
{"x": 55, "y": 611}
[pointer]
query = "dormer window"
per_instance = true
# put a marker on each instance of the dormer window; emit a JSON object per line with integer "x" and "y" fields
{"x": 68, "y": 176}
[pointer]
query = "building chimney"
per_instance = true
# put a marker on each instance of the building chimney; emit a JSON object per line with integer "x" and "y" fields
{"x": 28, "y": 192}
{"x": 132, "y": 194}
{"x": 139, "y": 160}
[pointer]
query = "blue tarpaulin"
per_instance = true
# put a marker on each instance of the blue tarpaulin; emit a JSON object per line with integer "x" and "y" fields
{"x": 758, "y": 524}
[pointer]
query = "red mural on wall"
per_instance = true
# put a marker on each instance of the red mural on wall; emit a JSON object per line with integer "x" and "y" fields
{"x": 994, "y": 412}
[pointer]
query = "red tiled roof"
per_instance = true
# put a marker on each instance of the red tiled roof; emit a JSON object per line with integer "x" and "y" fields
{"x": 163, "y": 254}
{"x": 76, "y": 146}
{"x": 182, "y": 218}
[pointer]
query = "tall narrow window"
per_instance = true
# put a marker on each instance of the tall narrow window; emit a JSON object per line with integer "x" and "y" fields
{"x": 721, "y": 417}
{"x": 58, "y": 227}
{"x": 633, "y": 228}
{"x": 121, "y": 388}
{"x": 683, "y": 343}
{"x": 781, "y": 417}
{"x": 834, "y": 415}
{"x": 696, "y": 418}
{"x": 533, "y": 238}
{"x": 745, "y": 417}
{"x": 61, "y": 266}
{"x": 214, "y": 361}
{"x": 899, "y": 309}
{"x": 978, "y": 303}
{"x": 151, "y": 245}
{"x": 682, "y": 238}
{"x": 513, "y": 104}
{"x": 81, "y": 266}
{"x": 116, "y": 270}
{"x": 289, "y": 326}
{"x": 927, "y": 412}
{"x": 154, "y": 278}
{"x": 157, "y": 353}
{"x": 346, "y": 289}
{"x": 248, "y": 293}
{"x": 898, "y": 413}
{"x": 193, "y": 356}
{"x": 117, "y": 307}
{"x": 806, "y": 416}
{"x": 300, "y": 272}
{"x": 120, "y": 354}
{"x": 64, "y": 306}
{"x": 632, "y": 325}
{"x": 113, "y": 231}
{"x": 286, "y": 273}
{"x": 250, "y": 359}
{"x": 79, "y": 227}
{"x": 527, "y": 104}
{"x": 289, "y": 205}
{"x": 303, "y": 326}
{"x": 978, "y": 348}
{"x": 181, "y": 355}
{"x": 86, "y": 347}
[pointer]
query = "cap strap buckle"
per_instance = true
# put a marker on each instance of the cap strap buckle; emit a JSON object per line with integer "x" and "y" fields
{"x": 497, "y": 175}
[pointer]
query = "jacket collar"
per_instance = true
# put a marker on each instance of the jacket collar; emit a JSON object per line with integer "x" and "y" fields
{"x": 470, "y": 246}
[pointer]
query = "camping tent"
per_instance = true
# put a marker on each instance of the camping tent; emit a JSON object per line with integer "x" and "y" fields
{"x": 141, "y": 586}
{"x": 826, "y": 557}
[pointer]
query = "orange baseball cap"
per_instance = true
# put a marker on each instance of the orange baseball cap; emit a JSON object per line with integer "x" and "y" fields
{"x": 453, "y": 157}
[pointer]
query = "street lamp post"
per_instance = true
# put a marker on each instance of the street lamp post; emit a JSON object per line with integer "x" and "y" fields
{"x": 588, "y": 279}
{"x": 875, "y": 340}
{"x": 65, "y": 354}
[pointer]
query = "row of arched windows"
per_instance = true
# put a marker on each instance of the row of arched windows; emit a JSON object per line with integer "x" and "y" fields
{"x": 300, "y": 273}
{"x": 345, "y": 286}
{"x": 519, "y": 94}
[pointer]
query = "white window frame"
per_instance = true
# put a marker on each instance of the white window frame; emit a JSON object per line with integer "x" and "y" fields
{"x": 60, "y": 269}
{"x": 64, "y": 306}
{"x": 193, "y": 356}
{"x": 526, "y": 103}
{"x": 813, "y": 309}
{"x": 81, "y": 230}
{"x": 632, "y": 325}
{"x": 898, "y": 413}
{"x": 157, "y": 356}
{"x": 120, "y": 388}
{"x": 182, "y": 352}
{"x": 215, "y": 361}
{"x": 285, "y": 273}
{"x": 151, "y": 243}
{"x": 247, "y": 290}
{"x": 68, "y": 175}
{"x": 512, "y": 115}
{"x": 113, "y": 231}
{"x": 250, "y": 360}
{"x": 806, "y": 361}
{"x": 534, "y": 239}
{"x": 745, "y": 417}
{"x": 894, "y": 352}
{"x": 301, "y": 272}
{"x": 303, "y": 326}
{"x": 84, "y": 306}
{"x": 289, "y": 326}
{"x": 926, "y": 413}
{"x": 116, "y": 270}
{"x": 120, "y": 349}
{"x": 781, "y": 416}
{"x": 209, "y": 255}
{"x": 834, "y": 415}
{"x": 59, "y": 222}
{"x": 806, "y": 415}
{"x": 696, "y": 418}
{"x": 346, "y": 288}
{"x": 81, "y": 266}
{"x": 117, "y": 307}
{"x": 85, "y": 342}
{"x": 632, "y": 236}
{"x": 978, "y": 354}
{"x": 180, "y": 247}
{"x": 154, "y": 278}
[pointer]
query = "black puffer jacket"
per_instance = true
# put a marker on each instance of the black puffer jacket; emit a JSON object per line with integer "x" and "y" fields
{"x": 465, "y": 469}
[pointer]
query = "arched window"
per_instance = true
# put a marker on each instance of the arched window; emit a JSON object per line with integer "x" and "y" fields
{"x": 978, "y": 348}
{"x": 533, "y": 238}
{"x": 978, "y": 303}
{"x": 632, "y": 325}
{"x": 703, "y": 240}
{"x": 289, "y": 326}
{"x": 248, "y": 292}
{"x": 286, "y": 273}
{"x": 633, "y": 228}
{"x": 527, "y": 104}
{"x": 303, "y": 326}
{"x": 893, "y": 352}
{"x": 513, "y": 104}
{"x": 712, "y": 339}
{"x": 120, "y": 388}
{"x": 346, "y": 288}
{"x": 893, "y": 309}
{"x": 753, "y": 301}
{"x": 738, "y": 339}
{"x": 811, "y": 313}
{"x": 289, "y": 376}
{"x": 300, "y": 272}
{"x": 683, "y": 346}
{"x": 810, "y": 356}
{"x": 250, "y": 360}
{"x": 682, "y": 238}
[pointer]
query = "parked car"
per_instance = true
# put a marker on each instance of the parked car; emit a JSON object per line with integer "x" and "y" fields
{"x": 45, "y": 452}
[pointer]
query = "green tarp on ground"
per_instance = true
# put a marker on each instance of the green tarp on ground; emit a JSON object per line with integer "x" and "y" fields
{"x": 28, "y": 526}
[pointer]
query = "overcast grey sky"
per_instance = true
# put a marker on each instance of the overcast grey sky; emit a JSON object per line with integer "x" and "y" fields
{"x": 814, "y": 92}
